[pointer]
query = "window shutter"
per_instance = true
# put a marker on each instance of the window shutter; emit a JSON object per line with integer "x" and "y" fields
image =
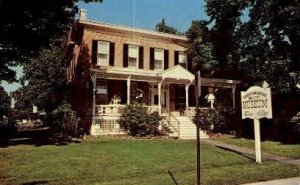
{"x": 141, "y": 57}
{"x": 125, "y": 55}
{"x": 166, "y": 59}
{"x": 176, "y": 57}
{"x": 111, "y": 53}
{"x": 94, "y": 52}
{"x": 151, "y": 58}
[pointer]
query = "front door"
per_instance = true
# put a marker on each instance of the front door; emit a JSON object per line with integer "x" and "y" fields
{"x": 164, "y": 95}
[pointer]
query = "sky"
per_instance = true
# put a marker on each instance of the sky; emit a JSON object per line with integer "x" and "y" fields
{"x": 146, "y": 13}
{"x": 138, "y": 13}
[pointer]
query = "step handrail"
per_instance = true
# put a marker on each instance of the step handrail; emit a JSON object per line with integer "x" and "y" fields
{"x": 176, "y": 126}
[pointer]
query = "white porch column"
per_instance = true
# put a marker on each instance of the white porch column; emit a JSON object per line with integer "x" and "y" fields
{"x": 233, "y": 87}
{"x": 159, "y": 96}
{"x": 187, "y": 95}
{"x": 128, "y": 90}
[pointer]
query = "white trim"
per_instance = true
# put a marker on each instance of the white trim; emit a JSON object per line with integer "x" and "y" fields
{"x": 179, "y": 73}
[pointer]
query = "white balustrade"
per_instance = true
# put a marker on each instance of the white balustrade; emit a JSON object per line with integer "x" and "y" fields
{"x": 116, "y": 109}
{"x": 109, "y": 110}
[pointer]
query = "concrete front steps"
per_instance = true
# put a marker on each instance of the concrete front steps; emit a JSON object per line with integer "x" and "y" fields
{"x": 188, "y": 129}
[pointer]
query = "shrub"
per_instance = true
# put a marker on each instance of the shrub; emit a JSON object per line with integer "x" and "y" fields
{"x": 137, "y": 121}
{"x": 64, "y": 120}
{"x": 214, "y": 120}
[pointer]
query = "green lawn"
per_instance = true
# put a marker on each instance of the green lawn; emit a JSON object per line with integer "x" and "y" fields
{"x": 111, "y": 162}
{"x": 287, "y": 150}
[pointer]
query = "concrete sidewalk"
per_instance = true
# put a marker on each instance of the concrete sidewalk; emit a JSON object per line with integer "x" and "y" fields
{"x": 289, "y": 181}
{"x": 248, "y": 151}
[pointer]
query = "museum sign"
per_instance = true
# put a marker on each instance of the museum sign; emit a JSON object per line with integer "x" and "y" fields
{"x": 256, "y": 103}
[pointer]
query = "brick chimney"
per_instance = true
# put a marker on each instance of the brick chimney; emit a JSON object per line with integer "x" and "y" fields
{"x": 83, "y": 14}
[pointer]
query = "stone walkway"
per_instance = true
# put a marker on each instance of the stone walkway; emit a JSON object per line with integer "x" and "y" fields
{"x": 248, "y": 151}
{"x": 265, "y": 156}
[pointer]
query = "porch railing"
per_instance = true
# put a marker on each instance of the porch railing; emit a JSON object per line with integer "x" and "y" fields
{"x": 116, "y": 109}
{"x": 172, "y": 123}
{"x": 109, "y": 110}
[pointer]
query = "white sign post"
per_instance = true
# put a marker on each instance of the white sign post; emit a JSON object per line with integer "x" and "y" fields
{"x": 256, "y": 104}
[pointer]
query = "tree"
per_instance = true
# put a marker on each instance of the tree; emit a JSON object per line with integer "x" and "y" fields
{"x": 200, "y": 48}
{"x": 264, "y": 47}
{"x": 5, "y": 103}
{"x": 270, "y": 39}
{"x": 47, "y": 88}
{"x": 164, "y": 28}
{"x": 29, "y": 26}
{"x": 45, "y": 80}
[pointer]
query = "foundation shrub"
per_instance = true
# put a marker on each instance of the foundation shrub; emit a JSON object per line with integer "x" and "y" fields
{"x": 215, "y": 120}
{"x": 138, "y": 121}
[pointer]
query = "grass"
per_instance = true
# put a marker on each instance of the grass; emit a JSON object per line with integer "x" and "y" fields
{"x": 109, "y": 161}
{"x": 286, "y": 150}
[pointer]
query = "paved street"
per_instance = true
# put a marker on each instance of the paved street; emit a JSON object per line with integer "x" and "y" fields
{"x": 290, "y": 181}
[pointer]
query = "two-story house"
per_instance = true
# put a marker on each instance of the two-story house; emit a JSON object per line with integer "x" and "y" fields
{"x": 111, "y": 66}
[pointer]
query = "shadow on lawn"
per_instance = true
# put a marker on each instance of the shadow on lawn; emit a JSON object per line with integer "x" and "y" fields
{"x": 35, "y": 182}
{"x": 35, "y": 137}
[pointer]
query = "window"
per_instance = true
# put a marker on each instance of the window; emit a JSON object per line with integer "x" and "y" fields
{"x": 103, "y": 53}
{"x": 133, "y": 56}
{"x": 158, "y": 59}
{"x": 182, "y": 59}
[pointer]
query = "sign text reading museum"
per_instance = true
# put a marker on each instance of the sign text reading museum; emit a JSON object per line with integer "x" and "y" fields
{"x": 256, "y": 103}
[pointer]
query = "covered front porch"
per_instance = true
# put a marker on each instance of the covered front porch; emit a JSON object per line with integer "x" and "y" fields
{"x": 168, "y": 92}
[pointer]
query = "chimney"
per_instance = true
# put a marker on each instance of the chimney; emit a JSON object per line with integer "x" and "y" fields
{"x": 82, "y": 14}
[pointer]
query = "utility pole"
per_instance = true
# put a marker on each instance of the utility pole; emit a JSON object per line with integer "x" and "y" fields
{"x": 197, "y": 96}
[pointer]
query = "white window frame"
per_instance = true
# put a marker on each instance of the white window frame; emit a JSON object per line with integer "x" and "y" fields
{"x": 136, "y": 53}
{"x": 181, "y": 53}
{"x": 103, "y": 51}
{"x": 159, "y": 58}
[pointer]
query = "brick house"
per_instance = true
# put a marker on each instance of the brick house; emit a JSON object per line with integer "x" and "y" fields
{"x": 111, "y": 66}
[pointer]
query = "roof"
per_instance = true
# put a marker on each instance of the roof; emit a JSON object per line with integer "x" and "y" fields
{"x": 132, "y": 30}
{"x": 177, "y": 72}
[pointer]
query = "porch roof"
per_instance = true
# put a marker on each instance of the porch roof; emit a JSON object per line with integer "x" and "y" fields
{"x": 224, "y": 83}
{"x": 175, "y": 74}
{"x": 178, "y": 73}
{"x": 124, "y": 73}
